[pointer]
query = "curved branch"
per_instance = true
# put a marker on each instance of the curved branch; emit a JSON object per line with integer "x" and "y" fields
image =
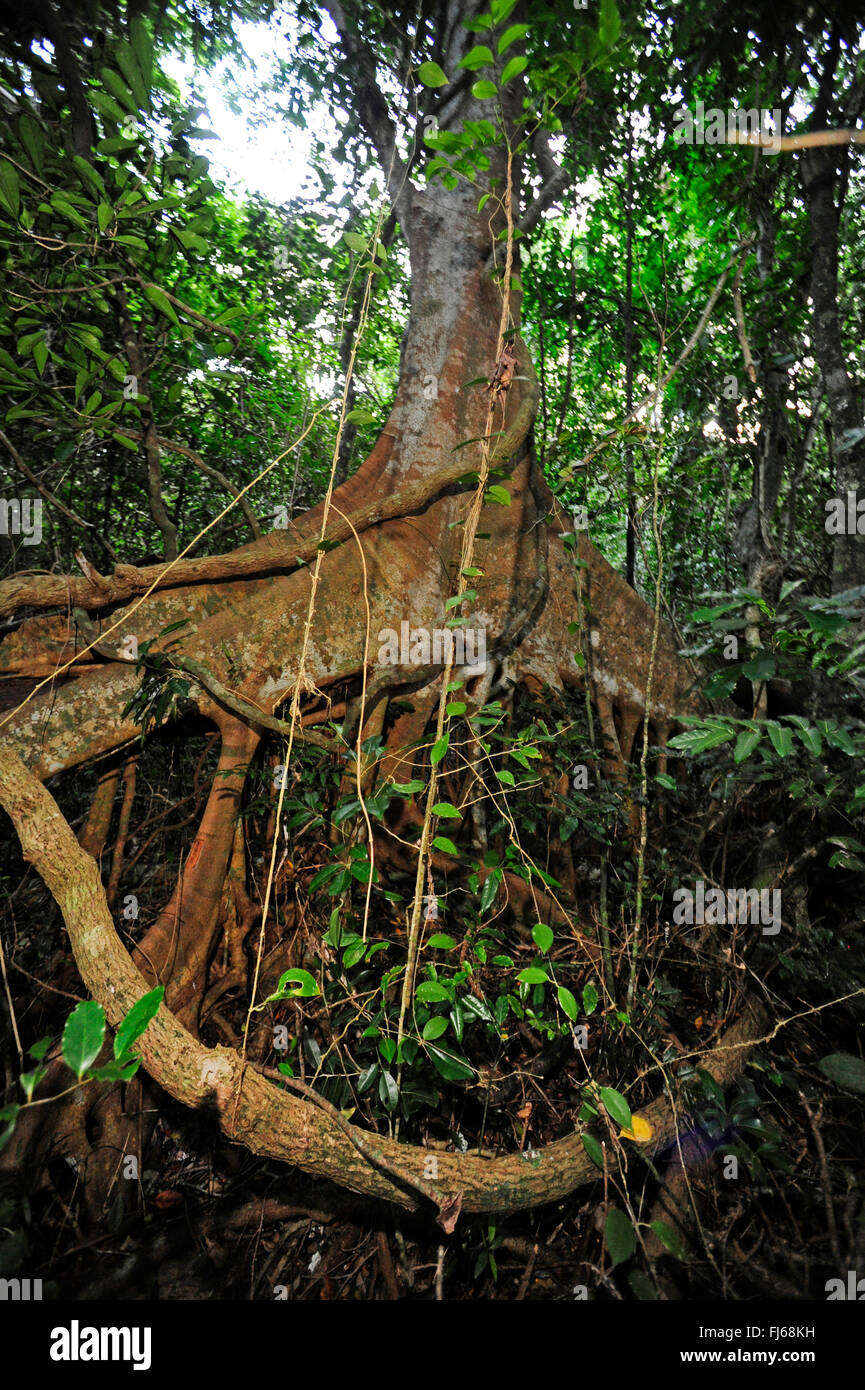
{"x": 249, "y": 1109}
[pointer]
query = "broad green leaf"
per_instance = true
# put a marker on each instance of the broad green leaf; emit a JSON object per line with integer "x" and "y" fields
{"x": 450, "y": 1066}
{"x": 446, "y": 810}
{"x": 746, "y": 743}
{"x": 620, "y": 1237}
{"x": 135, "y": 1022}
{"x": 567, "y": 1003}
{"x": 10, "y": 192}
{"x": 355, "y": 242}
{"x": 441, "y": 941}
{"x": 83, "y": 1036}
{"x": 444, "y": 844}
{"x": 307, "y": 987}
{"x": 155, "y": 296}
{"x": 700, "y": 739}
{"x": 31, "y": 137}
{"x": 477, "y": 57}
{"x": 128, "y": 65}
{"x": 499, "y": 494}
{"x": 594, "y": 1150}
{"x": 780, "y": 738}
{"x": 542, "y": 936}
{"x": 431, "y": 75}
{"x": 513, "y": 69}
{"x": 387, "y": 1090}
{"x": 616, "y": 1106}
{"x": 431, "y": 992}
{"x": 610, "y": 25}
{"x": 668, "y": 1238}
{"x": 845, "y": 1070}
{"x": 533, "y": 975}
{"x": 590, "y": 999}
{"x": 434, "y": 1027}
{"x": 118, "y": 88}
{"x": 484, "y": 89}
{"x": 511, "y": 34}
{"x": 439, "y": 748}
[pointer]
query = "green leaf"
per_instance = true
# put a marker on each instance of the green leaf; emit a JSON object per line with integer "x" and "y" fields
{"x": 31, "y": 137}
{"x": 359, "y": 416}
{"x": 746, "y": 743}
{"x": 513, "y": 69}
{"x": 441, "y": 941}
{"x": 143, "y": 47}
{"x": 484, "y": 89}
{"x": 119, "y": 1070}
{"x": 845, "y": 1070}
{"x": 40, "y": 354}
{"x": 30, "y": 1080}
{"x": 444, "y": 844}
{"x": 590, "y": 999}
{"x": 567, "y": 1003}
{"x": 431, "y": 992}
{"x": 837, "y": 737}
{"x": 499, "y": 494}
{"x": 434, "y": 1028}
{"x": 811, "y": 739}
{"x": 135, "y": 1022}
{"x": 445, "y": 809}
{"x": 431, "y": 75}
{"x": 9, "y": 187}
{"x": 104, "y": 215}
{"x": 439, "y": 748}
{"x": 533, "y": 975}
{"x": 155, "y": 296}
{"x": 668, "y": 1238}
{"x": 616, "y": 1106}
{"x": 516, "y": 31}
{"x": 610, "y": 26}
{"x": 477, "y": 57}
{"x": 131, "y": 71}
{"x": 594, "y": 1150}
{"x": 387, "y": 1090}
{"x": 450, "y": 1066}
{"x": 307, "y": 986}
{"x": 620, "y": 1237}
{"x": 355, "y": 242}
{"x": 542, "y": 937}
{"x": 700, "y": 739}
{"x": 780, "y": 738}
{"x": 489, "y": 890}
{"x": 83, "y": 1036}
{"x": 117, "y": 87}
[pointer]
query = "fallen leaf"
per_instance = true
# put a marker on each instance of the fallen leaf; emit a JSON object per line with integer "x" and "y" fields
{"x": 641, "y": 1131}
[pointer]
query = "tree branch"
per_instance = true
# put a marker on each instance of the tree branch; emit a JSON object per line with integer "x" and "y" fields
{"x": 372, "y": 108}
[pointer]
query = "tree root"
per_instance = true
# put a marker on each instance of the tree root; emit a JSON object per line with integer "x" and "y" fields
{"x": 267, "y": 1119}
